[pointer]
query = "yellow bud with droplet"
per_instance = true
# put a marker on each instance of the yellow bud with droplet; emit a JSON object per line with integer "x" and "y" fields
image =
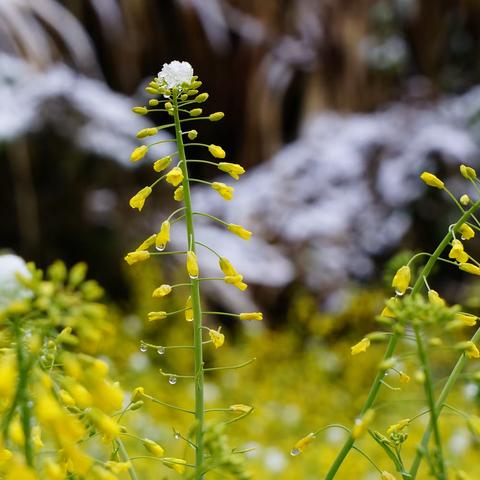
{"x": 163, "y": 236}
{"x": 401, "y": 280}
{"x": 192, "y": 264}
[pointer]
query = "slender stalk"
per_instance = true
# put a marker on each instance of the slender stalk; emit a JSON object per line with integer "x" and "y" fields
{"x": 124, "y": 456}
{"x": 196, "y": 305}
{"x": 392, "y": 344}
{"x": 23, "y": 398}
{"x": 457, "y": 370}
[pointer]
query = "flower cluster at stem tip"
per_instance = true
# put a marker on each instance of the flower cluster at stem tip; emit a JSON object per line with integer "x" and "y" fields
{"x": 176, "y": 92}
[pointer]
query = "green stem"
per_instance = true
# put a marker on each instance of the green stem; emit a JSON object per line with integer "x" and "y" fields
{"x": 126, "y": 458}
{"x": 196, "y": 305}
{"x": 392, "y": 344}
{"x": 23, "y": 397}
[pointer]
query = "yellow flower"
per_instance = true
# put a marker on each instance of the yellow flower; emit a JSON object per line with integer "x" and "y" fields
{"x": 240, "y": 407}
{"x": 431, "y": 180}
{"x": 404, "y": 378}
{"x": 192, "y": 264}
{"x": 163, "y": 236}
{"x": 239, "y": 231}
{"x": 216, "y": 151}
{"x": 398, "y": 427}
{"x": 53, "y": 471}
{"x": 153, "y": 316}
{"x": 469, "y": 268}
{"x": 362, "y": 424}
{"x": 466, "y": 231}
{"x": 215, "y": 117}
{"x": 138, "y": 200}
{"x": 251, "y": 316}
{"x": 435, "y": 299}
{"x": 188, "y": 310}
{"x": 361, "y": 346}
{"x": 107, "y": 425}
{"x": 161, "y": 291}
{"x": 138, "y": 153}
{"x": 236, "y": 280}
{"x": 467, "y": 319}
{"x": 465, "y": 200}
{"x": 387, "y": 476}
{"x": 8, "y": 376}
{"x": 178, "y": 194}
{"x": 138, "y": 256}
{"x": 147, "y": 243}
{"x": 216, "y": 337}
{"x": 224, "y": 190}
{"x": 174, "y": 176}
{"x": 138, "y": 394}
{"x": 162, "y": 163}
{"x": 300, "y": 446}
{"x": 66, "y": 398}
{"x": 153, "y": 447}
{"x": 457, "y": 252}
{"x": 469, "y": 348}
{"x": 468, "y": 172}
{"x": 233, "y": 169}
{"x": 176, "y": 464}
{"x": 401, "y": 280}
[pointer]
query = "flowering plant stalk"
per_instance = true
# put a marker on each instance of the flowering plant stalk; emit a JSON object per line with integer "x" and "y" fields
{"x": 428, "y": 320}
{"x": 178, "y": 89}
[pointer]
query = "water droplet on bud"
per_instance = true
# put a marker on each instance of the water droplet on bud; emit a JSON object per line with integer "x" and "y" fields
{"x": 143, "y": 347}
{"x": 193, "y": 277}
{"x": 177, "y": 436}
{"x": 294, "y": 452}
{"x": 160, "y": 247}
{"x": 172, "y": 380}
{"x": 399, "y": 293}
{"x": 161, "y": 350}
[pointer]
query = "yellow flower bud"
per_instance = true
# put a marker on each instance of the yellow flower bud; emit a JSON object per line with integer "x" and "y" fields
{"x": 147, "y": 132}
{"x": 138, "y": 200}
{"x": 154, "y": 316}
{"x": 469, "y": 268}
{"x": 176, "y": 464}
{"x": 362, "y": 424}
{"x": 457, "y": 252}
{"x": 201, "y": 98}
{"x": 233, "y": 169}
{"x": 140, "y": 110}
{"x": 178, "y": 194}
{"x": 138, "y": 153}
{"x": 217, "y": 338}
{"x": 465, "y": 200}
{"x": 431, "y": 180}
{"x": 174, "y": 176}
{"x": 361, "y": 346}
{"x": 467, "y": 319}
{"x": 239, "y": 231}
{"x": 147, "y": 243}
{"x": 168, "y": 106}
{"x": 468, "y": 172}
{"x": 398, "y": 427}
{"x": 251, "y": 316}
{"x": 163, "y": 236}
{"x": 192, "y": 264}
{"x": 401, "y": 280}
{"x": 153, "y": 102}
{"x": 240, "y": 407}
{"x": 226, "y": 267}
{"x": 215, "y": 117}
{"x": 435, "y": 299}
{"x": 138, "y": 256}
{"x": 196, "y": 112}
{"x": 138, "y": 394}
{"x": 161, "y": 291}
{"x": 233, "y": 279}
{"x": 192, "y": 92}
{"x": 469, "y": 348}
{"x": 216, "y": 151}
{"x": 466, "y": 231}
{"x": 162, "y": 163}
{"x": 153, "y": 447}
{"x": 225, "y": 191}
{"x": 188, "y": 310}
{"x": 192, "y": 134}
{"x": 300, "y": 446}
